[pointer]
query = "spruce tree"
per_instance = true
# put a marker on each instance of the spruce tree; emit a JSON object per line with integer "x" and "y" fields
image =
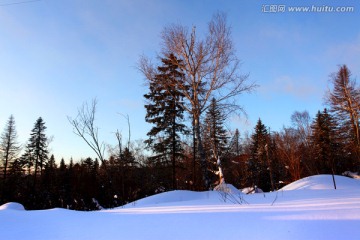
{"x": 51, "y": 164}
{"x": 62, "y": 165}
{"x": 165, "y": 111}
{"x": 235, "y": 145}
{"x": 259, "y": 162}
{"x": 38, "y": 146}
{"x": 216, "y": 136}
{"x": 26, "y": 160}
{"x": 214, "y": 129}
{"x": 49, "y": 183}
{"x": 324, "y": 142}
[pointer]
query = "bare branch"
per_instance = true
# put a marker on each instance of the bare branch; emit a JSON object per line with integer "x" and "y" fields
{"x": 128, "y": 122}
{"x": 84, "y": 127}
{"x": 210, "y": 68}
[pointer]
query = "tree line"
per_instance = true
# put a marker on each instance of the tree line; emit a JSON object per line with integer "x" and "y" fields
{"x": 192, "y": 92}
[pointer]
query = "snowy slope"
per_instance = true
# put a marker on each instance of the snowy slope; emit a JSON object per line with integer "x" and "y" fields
{"x": 184, "y": 197}
{"x": 321, "y": 182}
{"x": 306, "y": 209}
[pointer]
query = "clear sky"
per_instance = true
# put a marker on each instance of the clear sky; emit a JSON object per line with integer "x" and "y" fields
{"x": 57, "y": 54}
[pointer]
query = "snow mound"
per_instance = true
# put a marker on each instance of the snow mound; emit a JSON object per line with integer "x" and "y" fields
{"x": 322, "y": 182}
{"x": 12, "y": 206}
{"x": 184, "y": 197}
{"x": 170, "y": 197}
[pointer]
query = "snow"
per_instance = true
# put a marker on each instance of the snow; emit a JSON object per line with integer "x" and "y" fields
{"x": 322, "y": 182}
{"x": 351, "y": 174}
{"x": 12, "y": 206}
{"x": 306, "y": 209}
{"x": 251, "y": 190}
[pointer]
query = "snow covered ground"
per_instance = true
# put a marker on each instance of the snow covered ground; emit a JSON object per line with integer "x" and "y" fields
{"x": 307, "y": 209}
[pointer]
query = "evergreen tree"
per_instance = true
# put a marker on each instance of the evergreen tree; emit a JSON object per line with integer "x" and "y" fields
{"x": 129, "y": 178}
{"x": 62, "y": 165}
{"x": 9, "y": 148}
{"x": 216, "y": 137}
{"x": 235, "y": 144}
{"x": 51, "y": 163}
{"x": 259, "y": 164}
{"x": 165, "y": 112}
{"x": 325, "y": 144}
{"x": 49, "y": 187}
{"x": 344, "y": 102}
{"x": 236, "y": 171}
{"x": 38, "y": 147}
{"x": 26, "y": 160}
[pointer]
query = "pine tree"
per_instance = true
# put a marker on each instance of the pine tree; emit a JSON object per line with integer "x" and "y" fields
{"x": 216, "y": 136}
{"x": 259, "y": 164}
{"x": 51, "y": 164}
{"x": 344, "y": 102}
{"x": 9, "y": 148}
{"x": 26, "y": 160}
{"x": 324, "y": 142}
{"x": 62, "y": 165}
{"x": 38, "y": 147}
{"x": 235, "y": 145}
{"x": 165, "y": 112}
{"x": 49, "y": 180}
{"x": 215, "y": 131}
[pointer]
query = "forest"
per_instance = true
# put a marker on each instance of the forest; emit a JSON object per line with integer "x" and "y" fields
{"x": 192, "y": 92}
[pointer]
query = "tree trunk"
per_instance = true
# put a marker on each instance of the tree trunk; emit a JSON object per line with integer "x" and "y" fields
{"x": 200, "y": 148}
{"x": 218, "y": 163}
{"x": 5, "y": 166}
{"x": 35, "y": 173}
{"x": 221, "y": 172}
{"x": 174, "y": 185}
{"x": 194, "y": 154}
{"x": 333, "y": 178}
{"x": 270, "y": 168}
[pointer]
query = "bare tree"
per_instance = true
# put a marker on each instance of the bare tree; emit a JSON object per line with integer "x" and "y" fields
{"x": 119, "y": 142}
{"x": 302, "y": 123}
{"x": 129, "y": 128}
{"x": 210, "y": 67}
{"x": 301, "y": 132}
{"x": 9, "y": 148}
{"x": 344, "y": 102}
{"x": 118, "y": 152}
{"x": 84, "y": 127}
{"x": 288, "y": 147}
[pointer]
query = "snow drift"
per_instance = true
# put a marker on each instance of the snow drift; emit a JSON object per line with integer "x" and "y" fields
{"x": 12, "y": 206}
{"x": 322, "y": 182}
{"x": 184, "y": 197}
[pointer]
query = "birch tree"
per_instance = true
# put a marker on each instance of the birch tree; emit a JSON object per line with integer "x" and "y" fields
{"x": 211, "y": 69}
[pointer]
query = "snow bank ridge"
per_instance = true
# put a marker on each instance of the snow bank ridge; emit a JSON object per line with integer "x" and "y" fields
{"x": 323, "y": 182}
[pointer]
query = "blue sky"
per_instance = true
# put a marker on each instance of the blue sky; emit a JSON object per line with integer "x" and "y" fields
{"x": 57, "y": 54}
